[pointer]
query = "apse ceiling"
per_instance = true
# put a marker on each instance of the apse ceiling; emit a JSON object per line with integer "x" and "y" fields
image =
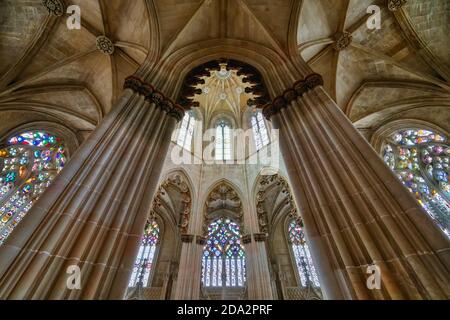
{"x": 48, "y": 72}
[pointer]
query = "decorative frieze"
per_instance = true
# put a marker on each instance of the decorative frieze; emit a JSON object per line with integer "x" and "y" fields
{"x": 154, "y": 96}
{"x": 105, "y": 45}
{"x": 299, "y": 89}
{"x": 55, "y": 7}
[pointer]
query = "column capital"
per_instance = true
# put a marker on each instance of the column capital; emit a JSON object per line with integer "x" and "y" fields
{"x": 187, "y": 238}
{"x": 299, "y": 89}
{"x": 154, "y": 96}
{"x": 201, "y": 240}
{"x": 246, "y": 239}
{"x": 260, "y": 237}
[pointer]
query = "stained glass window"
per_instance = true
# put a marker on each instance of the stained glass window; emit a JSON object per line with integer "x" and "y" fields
{"x": 28, "y": 164}
{"x": 144, "y": 262}
{"x": 420, "y": 159}
{"x": 223, "y": 141}
{"x": 223, "y": 256}
{"x": 260, "y": 131}
{"x": 186, "y": 131}
{"x": 305, "y": 267}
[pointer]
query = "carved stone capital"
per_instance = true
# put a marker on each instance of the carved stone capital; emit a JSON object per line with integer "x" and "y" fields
{"x": 105, "y": 45}
{"x": 201, "y": 240}
{"x": 394, "y": 5}
{"x": 55, "y": 7}
{"x": 187, "y": 238}
{"x": 246, "y": 239}
{"x": 299, "y": 89}
{"x": 154, "y": 96}
{"x": 260, "y": 237}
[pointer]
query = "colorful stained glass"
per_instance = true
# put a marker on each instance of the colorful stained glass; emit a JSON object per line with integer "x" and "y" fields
{"x": 223, "y": 255}
{"x": 420, "y": 159}
{"x": 305, "y": 266}
{"x": 28, "y": 164}
{"x": 143, "y": 264}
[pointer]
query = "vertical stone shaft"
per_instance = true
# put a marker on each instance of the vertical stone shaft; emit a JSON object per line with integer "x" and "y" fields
{"x": 356, "y": 212}
{"x": 94, "y": 213}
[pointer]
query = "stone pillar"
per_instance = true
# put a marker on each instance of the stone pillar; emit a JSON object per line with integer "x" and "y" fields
{"x": 259, "y": 282}
{"x": 93, "y": 214}
{"x": 188, "y": 284}
{"x": 356, "y": 212}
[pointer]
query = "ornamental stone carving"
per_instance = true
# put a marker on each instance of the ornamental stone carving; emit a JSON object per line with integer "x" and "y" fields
{"x": 342, "y": 40}
{"x": 394, "y": 5}
{"x": 223, "y": 200}
{"x": 55, "y": 7}
{"x": 177, "y": 183}
{"x": 299, "y": 89}
{"x": 105, "y": 45}
{"x": 266, "y": 186}
{"x": 155, "y": 97}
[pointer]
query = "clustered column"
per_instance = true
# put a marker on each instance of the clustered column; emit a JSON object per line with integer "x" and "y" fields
{"x": 258, "y": 273}
{"x": 93, "y": 214}
{"x": 356, "y": 212}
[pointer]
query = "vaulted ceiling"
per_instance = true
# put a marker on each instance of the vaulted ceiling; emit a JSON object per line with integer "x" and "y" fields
{"x": 51, "y": 73}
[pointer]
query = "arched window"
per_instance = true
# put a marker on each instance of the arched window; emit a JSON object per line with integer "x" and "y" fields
{"x": 260, "y": 131}
{"x": 223, "y": 141}
{"x": 420, "y": 159}
{"x": 28, "y": 164}
{"x": 146, "y": 255}
{"x": 223, "y": 256}
{"x": 186, "y": 131}
{"x": 305, "y": 267}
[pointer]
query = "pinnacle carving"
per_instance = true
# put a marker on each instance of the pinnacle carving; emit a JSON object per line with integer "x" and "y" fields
{"x": 342, "y": 40}
{"x": 55, "y": 7}
{"x": 394, "y": 5}
{"x": 105, "y": 45}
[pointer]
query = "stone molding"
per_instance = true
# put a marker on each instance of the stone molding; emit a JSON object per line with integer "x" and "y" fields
{"x": 298, "y": 90}
{"x": 152, "y": 95}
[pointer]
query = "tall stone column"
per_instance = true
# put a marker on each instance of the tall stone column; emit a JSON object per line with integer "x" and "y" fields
{"x": 258, "y": 278}
{"x": 188, "y": 284}
{"x": 356, "y": 212}
{"x": 93, "y": 214}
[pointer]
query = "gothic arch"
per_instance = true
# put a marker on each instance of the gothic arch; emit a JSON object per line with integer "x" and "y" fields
{"x": 222, "y": 199}
{"x": 276, "y": 209}
{"x": 277, "y": 70}
{"x": 173, "y": 199}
